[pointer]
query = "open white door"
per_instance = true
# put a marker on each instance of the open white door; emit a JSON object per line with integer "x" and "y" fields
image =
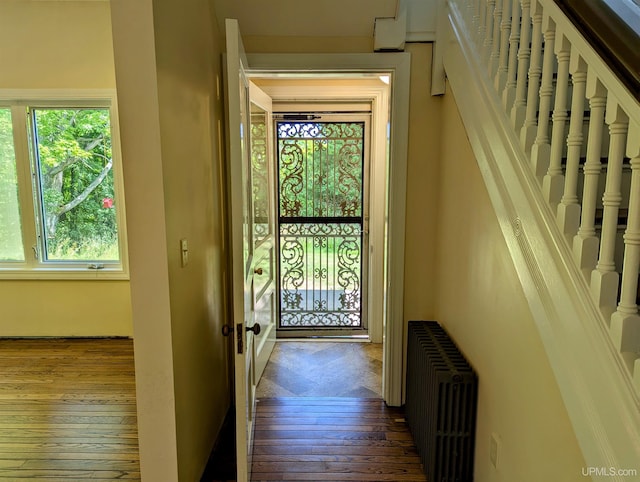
{"x": 261, "y": 141}
{"x": 251, "y": 242}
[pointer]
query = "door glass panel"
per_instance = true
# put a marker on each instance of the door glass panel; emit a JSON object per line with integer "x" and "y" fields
{"x": 321, "y": 179}
{"x": 11, "y": 248}
{"x": 260, "y": 174}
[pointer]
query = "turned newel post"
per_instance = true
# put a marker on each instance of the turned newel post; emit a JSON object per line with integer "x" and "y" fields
{"x": 625, "y": 322}
{"x": 509, "y": 93}
{"x": 553, "y": 181}
{"x": 524, "y": 54}
{"x": 568, "y": 215}
{"x": 489, "y": 29}
{"x": 500, "y": 79}
{"x": 470, "y": 14}
{"x": 528, "y": 131}
{"x": 478, "y": 21}
{"x": 494, "y": 57}
{"x": 540, "y": 151}
{"x": 604, "y": 279}
{"x": 586, "y": 243}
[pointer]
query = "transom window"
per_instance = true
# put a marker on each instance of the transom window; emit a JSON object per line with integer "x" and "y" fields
{"x": 61, "y": 202}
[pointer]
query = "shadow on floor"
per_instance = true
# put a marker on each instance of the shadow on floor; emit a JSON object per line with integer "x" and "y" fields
{"x": 221, "y": 466}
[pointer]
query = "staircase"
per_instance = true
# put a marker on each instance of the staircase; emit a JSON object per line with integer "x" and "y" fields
{"x": 556, "y": 134}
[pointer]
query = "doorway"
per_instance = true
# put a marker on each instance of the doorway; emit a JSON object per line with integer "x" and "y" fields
{"x": 333, "y": 213}
{"x": 323, "y": 212}
{"x": 377, "y": 84}
{"x": 331, "y": 142}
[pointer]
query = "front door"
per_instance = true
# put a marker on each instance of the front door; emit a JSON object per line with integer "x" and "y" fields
{"x": 251, "y": 239}
{"x": 322, "y": 224}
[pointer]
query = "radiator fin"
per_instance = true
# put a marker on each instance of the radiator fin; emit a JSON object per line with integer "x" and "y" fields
{"x": 441, "y": 402}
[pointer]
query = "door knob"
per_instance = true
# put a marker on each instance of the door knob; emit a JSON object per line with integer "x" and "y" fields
{"x": 258, "y": 271}
{"x": 255, "y": 328}
{"x": 227, "y": 330}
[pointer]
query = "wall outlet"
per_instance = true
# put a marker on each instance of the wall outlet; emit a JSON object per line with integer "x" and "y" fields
{"x": 494, "y": 448}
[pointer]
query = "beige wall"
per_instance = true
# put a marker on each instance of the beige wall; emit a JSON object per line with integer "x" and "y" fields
{"x": 55, "y": 45}
{"x": 481, "y": 303}
{"x": 137, "y": 84}
{"x": 422, "y": 188}
{"x": 65, "y": 308}
{"x": 167, "y": 68}
{"x": 188, "y": 55}
{"x": 59, "y": 45}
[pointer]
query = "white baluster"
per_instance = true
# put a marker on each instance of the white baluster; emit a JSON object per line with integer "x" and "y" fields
{"x": 482, "y": 24}
{"x": 529, "y": 129}
{"x": 494, "y": 58}
{"x": 604, "y": 279}
{"x": 470, "y": 14}
{"x": 509, "y": 93}
{"x": 553, "y": 181}
{"x": 488, "y": 37}
{"x": 568, "y": 215}
{"x": 505, "y": 31}
{"x": 475, "y": 18}
{"x": 541, "y": 149}
{"x": 586, "y": 243}
{"x": 524, "y": 54}
{"x": 625, "y": 322}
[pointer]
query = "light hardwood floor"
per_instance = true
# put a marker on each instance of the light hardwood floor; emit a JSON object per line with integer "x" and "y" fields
{"x": 323, "y": 369}
{"x": 68, "y": 410}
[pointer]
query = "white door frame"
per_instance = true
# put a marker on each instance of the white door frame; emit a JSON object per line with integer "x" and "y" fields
{"x": 366, "y": 96}
{"x": 398, "y": 64}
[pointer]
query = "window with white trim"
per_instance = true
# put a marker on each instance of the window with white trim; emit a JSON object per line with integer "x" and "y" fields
{"x": 61, "y": 198}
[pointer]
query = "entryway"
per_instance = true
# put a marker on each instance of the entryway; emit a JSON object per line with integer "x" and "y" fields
{"x": 320, "y": 416}
{"x": 368, "y": 91}
{"x": 322, "y": 171}
{"x": 322, "y": 369}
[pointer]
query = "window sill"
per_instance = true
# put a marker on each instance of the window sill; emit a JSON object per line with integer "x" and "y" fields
{"x": 62, "y": 273}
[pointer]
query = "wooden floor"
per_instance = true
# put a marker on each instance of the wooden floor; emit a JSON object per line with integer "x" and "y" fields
{"x": 68, "y": 410}
{"x": 322, "y": 439}
{"x": 323, "y": 369}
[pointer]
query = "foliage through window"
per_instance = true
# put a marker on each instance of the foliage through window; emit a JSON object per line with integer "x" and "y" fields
{"x": 10, "y": 232}
{"x": 71, "y": 197}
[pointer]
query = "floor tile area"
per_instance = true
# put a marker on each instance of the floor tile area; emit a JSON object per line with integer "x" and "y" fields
{"x": 322, "y": 369}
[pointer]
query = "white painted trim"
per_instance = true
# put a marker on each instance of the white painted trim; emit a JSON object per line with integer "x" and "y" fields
{"x": 616, "y": 90}
{"x": 438, "y": 75}
{"x": 30, "y": 268}
{"x": 399, "y": 65}
{"x": 593, "y": 381}
{"x": 376, "y": 99}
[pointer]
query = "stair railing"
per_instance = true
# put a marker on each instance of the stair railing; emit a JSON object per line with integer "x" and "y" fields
{"x": 579, "y": 127}
{"x": 556, "y": 135}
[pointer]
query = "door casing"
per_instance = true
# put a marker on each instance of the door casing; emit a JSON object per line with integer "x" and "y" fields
{"x": 397, "y": 65}
{"x": 337, "y": 115}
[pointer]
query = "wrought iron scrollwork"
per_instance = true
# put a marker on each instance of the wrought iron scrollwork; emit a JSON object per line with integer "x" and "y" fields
{"x": 320, "y": 218}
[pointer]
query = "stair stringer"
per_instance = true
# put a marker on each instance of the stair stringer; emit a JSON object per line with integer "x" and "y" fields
{"x": 596, "y": 387}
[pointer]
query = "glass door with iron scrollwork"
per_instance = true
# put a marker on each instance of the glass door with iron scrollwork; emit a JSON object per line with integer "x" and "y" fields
{"x": 323, "y": 242}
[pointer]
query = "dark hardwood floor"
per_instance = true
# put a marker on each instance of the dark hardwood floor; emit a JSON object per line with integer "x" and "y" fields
{"x": 322, "y": 439}
{"x": 68, "y": 410}
{"x": 320, "y": 416}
